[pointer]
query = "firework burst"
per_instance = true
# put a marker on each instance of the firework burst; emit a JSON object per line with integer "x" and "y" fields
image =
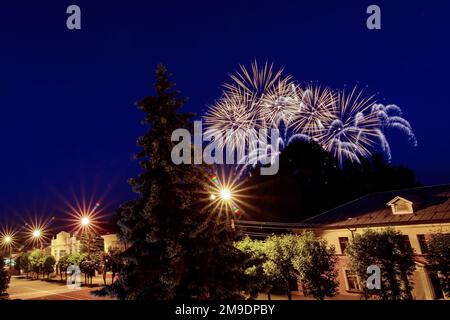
{"x": 353, "y": 129}
{"x": 315, "y": 110}
{"x": 346, "y": 124}
{"x": 233, "y": 119}
{"x": 257, "y": 80}
{"x": 279, "y": 104}
{"x": 390, "y": 116}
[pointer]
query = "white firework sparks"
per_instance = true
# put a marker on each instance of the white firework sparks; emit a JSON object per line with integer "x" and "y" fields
{"x": 279, "y": 104}
{"x": 346, "y": 124}
{"x": 354, "y": 130}
{"x": 234, "y": 118}
{"x": 315, "y": 110}
{"x": 391, "y": 116}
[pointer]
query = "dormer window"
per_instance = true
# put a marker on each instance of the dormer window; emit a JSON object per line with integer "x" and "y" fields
{"x": 401, "y": 205}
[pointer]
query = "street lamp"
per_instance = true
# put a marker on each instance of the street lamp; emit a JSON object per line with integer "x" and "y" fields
{"x": 36, "y": 233}
{"x": 85, "y": 221}
{"x": 225, "y": 194}
{"x": 8, "y": 241}
{"x": 85, "y": 224}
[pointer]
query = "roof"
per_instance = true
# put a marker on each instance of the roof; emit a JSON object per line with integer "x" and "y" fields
{"x": 431, "y": 205}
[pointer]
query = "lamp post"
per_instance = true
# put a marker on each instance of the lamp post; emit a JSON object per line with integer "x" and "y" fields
{"x": 226, "y": 196}
{"x": 8, "y": 241}
{"x": 85, "y": 223}
{"x": 36, "y": 235}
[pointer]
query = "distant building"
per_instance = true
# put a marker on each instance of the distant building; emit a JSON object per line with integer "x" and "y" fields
{"x": 64, "y": 243}
{"x": 112, "y": 241}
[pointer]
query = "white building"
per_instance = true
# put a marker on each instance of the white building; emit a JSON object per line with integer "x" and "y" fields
{"x": 112, "y": 241}
{"x": 64, "y": 243}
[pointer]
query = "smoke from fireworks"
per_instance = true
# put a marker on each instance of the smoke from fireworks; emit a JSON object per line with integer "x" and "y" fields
{"x": 347, "y": 124}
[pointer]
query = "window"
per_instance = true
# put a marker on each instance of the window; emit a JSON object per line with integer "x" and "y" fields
{"x": 422, "y": 243}
{"x": 400, "y": 205}
{"x": 343, "y": 243}
{"x": 405, "y": 245}
{"x": 352, "y": 281}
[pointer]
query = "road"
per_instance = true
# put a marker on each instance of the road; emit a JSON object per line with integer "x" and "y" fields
{"x": 26, "y": 289}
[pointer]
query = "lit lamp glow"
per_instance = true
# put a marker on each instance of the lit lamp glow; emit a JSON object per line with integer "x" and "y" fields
{"x": 7, "y": 240}
{"x": 85, "y": 221}
{"x": 225, "y": 194}
{"x": 36, "y": 233}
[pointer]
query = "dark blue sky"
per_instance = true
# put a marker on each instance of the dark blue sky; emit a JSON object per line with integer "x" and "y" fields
{"x": 68, "y": 121}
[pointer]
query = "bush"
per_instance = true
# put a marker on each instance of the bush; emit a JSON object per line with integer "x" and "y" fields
{"x": 439, "y": 259}
{"x": 4, "y": 277}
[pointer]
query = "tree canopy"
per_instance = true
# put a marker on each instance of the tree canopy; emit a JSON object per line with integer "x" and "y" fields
{"x": 388, "y": 250}
{"x": 175, "y": 248}
{"x": 310, "y": 181}
{"x": 439, "y": 258}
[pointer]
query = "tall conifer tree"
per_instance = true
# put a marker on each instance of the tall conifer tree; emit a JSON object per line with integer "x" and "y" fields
{"x": 175, "y": 248}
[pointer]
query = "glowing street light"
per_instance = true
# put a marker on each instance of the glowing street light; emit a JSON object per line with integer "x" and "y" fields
{"x": 225, "y": 197}
{"x": 225, "y": 194}
{"x": 36, "y": 233}
{"x": 85, "y": 221}
{"x": 7, "y": 240}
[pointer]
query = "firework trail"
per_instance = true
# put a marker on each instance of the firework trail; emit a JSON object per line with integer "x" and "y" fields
{"x": 257, "y": 80}
{"x": 391, "y": 116}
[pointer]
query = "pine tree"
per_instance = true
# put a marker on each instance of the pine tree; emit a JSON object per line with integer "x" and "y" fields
{"x": 176, "y": 248}
{"x": 215, "y": 267}
{"x": 91, "y": 243}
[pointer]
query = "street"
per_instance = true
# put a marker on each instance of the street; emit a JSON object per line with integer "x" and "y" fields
{"x": 27, "y": 289}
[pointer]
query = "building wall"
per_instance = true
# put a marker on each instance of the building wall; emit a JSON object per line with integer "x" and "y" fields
{"x": 64, "y": 243}
{"x": 422, "y": 289}
{"x": 112, "y": 241}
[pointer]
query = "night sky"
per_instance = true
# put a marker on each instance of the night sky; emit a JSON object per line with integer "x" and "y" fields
{"x": 68, "y": 123}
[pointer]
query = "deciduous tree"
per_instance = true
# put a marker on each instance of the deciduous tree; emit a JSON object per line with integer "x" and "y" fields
{"x": 439, "y": 258}
{"x": 387, "y": 250}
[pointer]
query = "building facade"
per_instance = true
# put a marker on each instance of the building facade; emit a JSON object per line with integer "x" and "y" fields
{"x": 112, "y": 241}
{"x": 64, "y": 243}
{"x": 416, "y": 213}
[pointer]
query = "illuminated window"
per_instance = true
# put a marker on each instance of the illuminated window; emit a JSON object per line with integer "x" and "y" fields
{"x": 352, "y": 281}
{"x": 343, "y": 243}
